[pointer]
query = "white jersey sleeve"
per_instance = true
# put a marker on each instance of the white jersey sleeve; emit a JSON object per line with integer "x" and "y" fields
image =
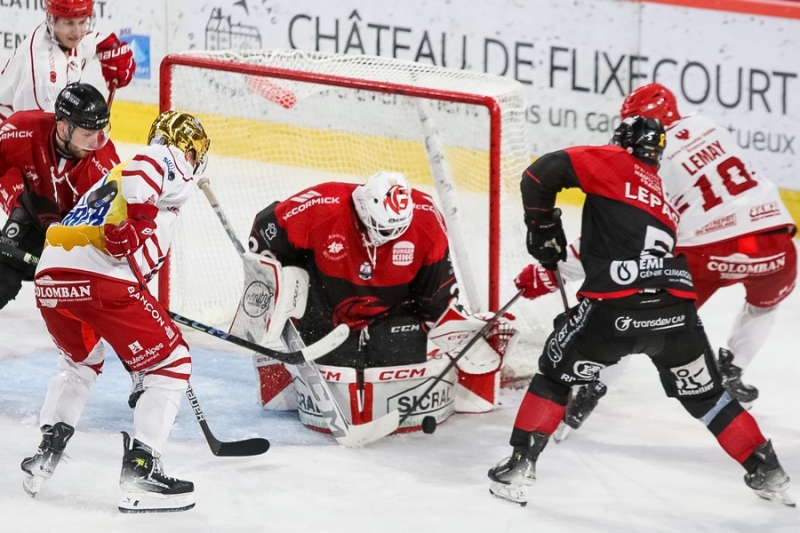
{"x": 157, "y": 175}
{"x": 716, "y": 190}
{"x": 40, "y": 69}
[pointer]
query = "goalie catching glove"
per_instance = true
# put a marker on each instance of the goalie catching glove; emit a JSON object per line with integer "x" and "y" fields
{"x": 455, "y": 328}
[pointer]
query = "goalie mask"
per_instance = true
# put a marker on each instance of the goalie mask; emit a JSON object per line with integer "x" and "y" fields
{"x": 384, "y": 206}
{"x": 644, "y": 138}
{"x": 651, "y": 101}
{"x": 184, "y": 132}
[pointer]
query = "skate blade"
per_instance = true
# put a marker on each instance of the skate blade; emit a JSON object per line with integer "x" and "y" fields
{"x": 151, "y": 502}
{"x": 561, "y": 432}
{"x": 779, "y": 497}
{"x": 515, "y": 493}
{"x": 32, "y": 484}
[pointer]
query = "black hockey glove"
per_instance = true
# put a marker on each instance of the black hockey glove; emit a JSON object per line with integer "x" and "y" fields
{"x": 546, "y": 240}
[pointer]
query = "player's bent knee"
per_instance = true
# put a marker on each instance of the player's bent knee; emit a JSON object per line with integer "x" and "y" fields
{"x": 171, "y": 373}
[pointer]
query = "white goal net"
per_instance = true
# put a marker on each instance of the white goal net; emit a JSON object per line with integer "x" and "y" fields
{"x": 283, "y": 120}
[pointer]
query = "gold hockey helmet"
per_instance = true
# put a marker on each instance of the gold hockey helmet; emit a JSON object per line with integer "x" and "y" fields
{"x": 184, "y": 132}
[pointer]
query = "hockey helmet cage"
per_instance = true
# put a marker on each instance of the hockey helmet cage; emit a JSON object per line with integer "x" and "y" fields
{"x": 384, "y": 206}
{"x": 184, "y": 132}
{"x": 82, "y": 105}
{"x": 651, "y": 101}
{"x": 643, "y": 137}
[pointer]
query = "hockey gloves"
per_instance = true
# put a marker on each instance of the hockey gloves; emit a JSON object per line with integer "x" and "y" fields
{"x": 535, "y": 281}
{"x": 116, "y": 61}
{"x": 125, "y": 239}
{"x": 546, "y": 240}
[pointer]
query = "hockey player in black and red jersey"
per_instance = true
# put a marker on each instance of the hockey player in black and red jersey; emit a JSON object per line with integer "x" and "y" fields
{"x": 59, "y": 156}
{"x": 734, "y": 229}
{"x": 378, "y": 260}
{"x": 637, "y": 297}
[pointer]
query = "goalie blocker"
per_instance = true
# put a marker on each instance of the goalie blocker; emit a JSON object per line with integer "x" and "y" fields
{"x": 369, "y": 393}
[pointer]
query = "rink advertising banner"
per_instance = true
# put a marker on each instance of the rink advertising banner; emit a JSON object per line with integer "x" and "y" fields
{"x": 577, "y": 59}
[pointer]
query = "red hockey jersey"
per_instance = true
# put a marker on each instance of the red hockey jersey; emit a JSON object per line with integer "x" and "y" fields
{"x": 54, "y": 183}
{"x": 319, "y": 230}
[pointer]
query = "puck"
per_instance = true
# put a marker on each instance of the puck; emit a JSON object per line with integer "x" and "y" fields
{"x": 428, "y": 424}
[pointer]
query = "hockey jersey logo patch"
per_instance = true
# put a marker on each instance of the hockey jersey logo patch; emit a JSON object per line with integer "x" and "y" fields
{"x": 335, "y": 248}
{"x": 403, "y": 253}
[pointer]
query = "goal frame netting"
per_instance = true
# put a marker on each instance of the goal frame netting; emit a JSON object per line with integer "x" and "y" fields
{"x": 501, "y": 166}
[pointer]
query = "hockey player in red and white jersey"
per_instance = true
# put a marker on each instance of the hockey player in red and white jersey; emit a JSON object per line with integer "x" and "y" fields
{"x": 60, "y": 156}
{"x": 378, "y": 260}
{"x": 90, "y": 285}
{"x": 637, "y": 297}
{"x": 734, "y": 228}
{"x": 54, "y": 55}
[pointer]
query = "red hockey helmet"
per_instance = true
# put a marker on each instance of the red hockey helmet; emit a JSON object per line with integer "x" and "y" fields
{"x": 71, "y": 9}
{"x": 651, "y": 101}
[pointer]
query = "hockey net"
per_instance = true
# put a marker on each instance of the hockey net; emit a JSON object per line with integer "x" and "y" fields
{"x": 283, "y": 120}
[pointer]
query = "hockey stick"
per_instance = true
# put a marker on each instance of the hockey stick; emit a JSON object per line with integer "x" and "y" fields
{"x": 345, "y": 433}
{"x": 239, "y": 448}
{"x": 255, "y": 446}
{"x": 308, "y": 353}
{"x": 486, "y": 327}
{"x": 560, "y": 283}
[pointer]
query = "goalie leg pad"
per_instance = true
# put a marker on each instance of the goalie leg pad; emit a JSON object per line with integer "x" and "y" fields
{"x": 276, "y": 389}
{"x": 477, "y": 393}
{"x": 367, "y": 395}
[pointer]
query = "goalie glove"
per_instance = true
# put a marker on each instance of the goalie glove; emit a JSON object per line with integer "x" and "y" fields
{"x": 455, "y": 328}
{"x": 116, "y": 61}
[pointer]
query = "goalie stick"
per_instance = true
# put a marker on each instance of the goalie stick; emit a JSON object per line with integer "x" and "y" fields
{"x": 346, "y": 434}
{"x": 481, "y": 332}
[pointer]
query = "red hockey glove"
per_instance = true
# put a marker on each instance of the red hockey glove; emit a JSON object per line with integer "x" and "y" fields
{"x": 116, "y": 60}
{"x": 129, "y": 236}
{"x": 535, "y": 281}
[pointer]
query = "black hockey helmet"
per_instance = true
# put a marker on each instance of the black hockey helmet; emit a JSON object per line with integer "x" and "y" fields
{"x": 643, "y": 137}
{"x": 81, "y": 105}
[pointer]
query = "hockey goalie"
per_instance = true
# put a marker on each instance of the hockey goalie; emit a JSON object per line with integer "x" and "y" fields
{"x": 373, "y": 256}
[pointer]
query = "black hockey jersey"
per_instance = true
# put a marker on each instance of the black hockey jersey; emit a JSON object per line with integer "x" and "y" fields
{"x": 628, "y": 228}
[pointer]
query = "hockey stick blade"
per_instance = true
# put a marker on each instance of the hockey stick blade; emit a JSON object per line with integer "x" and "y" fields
{"x": 241, "y": 448}
{"x": 323, "y": 346}
{"x": 362, "y": 434}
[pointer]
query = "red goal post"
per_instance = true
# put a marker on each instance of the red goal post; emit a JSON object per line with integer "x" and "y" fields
{"x": 282, "y": 120}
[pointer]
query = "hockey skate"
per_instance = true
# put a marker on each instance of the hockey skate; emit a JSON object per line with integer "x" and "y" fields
{"x": 137, "y": 388}
{"x": 145, "y": 488}
{"x": 768, "y": 480}
{"x": 513, "y": 475}
{"x": 41, "y": 466}
{"x": 579, "y": 408}
{"x": 732, "y": 378}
